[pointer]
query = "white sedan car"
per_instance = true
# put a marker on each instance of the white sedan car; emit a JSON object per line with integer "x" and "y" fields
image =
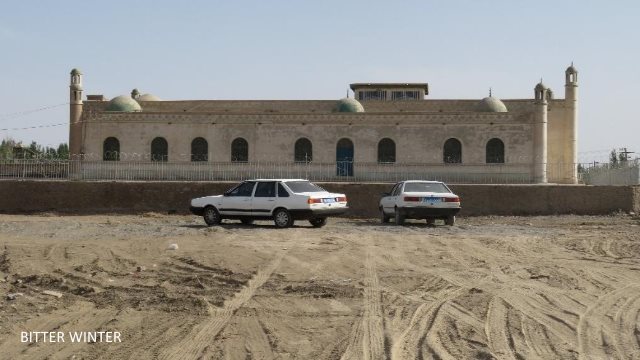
{"x": 283, "y": 200}
{"x": 417, "y": 199}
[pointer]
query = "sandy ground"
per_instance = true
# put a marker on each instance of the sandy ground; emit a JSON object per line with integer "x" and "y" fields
{"x": 492, "y": 287}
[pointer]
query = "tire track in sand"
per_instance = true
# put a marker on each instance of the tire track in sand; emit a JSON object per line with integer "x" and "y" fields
{"x": 499, "y": 340}
{"x": 596, "y": 327}
{"x": 627, "y": 326}
{"x": 411, "y": 343}
{"x": 201, "y": 336}
{"x": 371, "y": 332}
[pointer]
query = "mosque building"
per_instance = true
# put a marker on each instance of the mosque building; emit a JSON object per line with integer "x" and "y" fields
{"x": 383, "y": 124}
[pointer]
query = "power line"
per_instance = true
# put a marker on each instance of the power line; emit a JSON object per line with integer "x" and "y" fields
{"x": 10, "y": 116}
{"x": 34, "y": 127}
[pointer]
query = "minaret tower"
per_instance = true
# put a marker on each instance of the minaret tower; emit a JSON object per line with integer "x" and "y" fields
{"x": 571, "y": 123}
{"x": 540, "y": 134}
{"x": 75, "y": 114}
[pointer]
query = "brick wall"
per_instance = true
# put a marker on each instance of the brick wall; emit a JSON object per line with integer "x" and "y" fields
{"x": 137, "y": 197}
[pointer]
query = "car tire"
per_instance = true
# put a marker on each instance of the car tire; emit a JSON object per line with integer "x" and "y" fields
{"x": 399, "y": 217}
{"x": 450, "y": 220}
{"x": 384, "y": 218}
{"x": 247, "y": 221}
{"x": 431, "y": 221}
{"x": 318, "y": 222}
{"x": 282, "y": 218}
{"x": 211, "y": 216}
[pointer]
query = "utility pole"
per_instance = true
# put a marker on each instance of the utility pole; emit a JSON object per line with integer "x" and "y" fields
{"x": 623, "y": 151}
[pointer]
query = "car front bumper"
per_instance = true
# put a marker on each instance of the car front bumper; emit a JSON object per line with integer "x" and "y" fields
{"x": 196, "y": 210}
{"x": 428, "y": 212}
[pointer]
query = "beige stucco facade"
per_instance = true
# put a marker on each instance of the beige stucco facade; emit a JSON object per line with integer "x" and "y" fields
{"x": 539, "y": 134}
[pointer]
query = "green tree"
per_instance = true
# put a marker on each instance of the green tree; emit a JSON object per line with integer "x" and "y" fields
{"x": 622, "y": 158}
{"x": 63, "y": 151}
{"x": 613, "y": 158}
{"x": 8, "y": 148}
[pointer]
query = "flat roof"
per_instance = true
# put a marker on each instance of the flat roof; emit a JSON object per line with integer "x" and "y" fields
{"x": 424, "y": 86}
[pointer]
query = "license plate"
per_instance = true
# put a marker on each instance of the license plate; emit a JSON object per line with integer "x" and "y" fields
{"x": 329, "y": 200}
{"x": 432, "y": 200}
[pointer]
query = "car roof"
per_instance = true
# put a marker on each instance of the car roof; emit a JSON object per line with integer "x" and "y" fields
{"x": 277, "y": 180}
{"x": 422, "y": 181}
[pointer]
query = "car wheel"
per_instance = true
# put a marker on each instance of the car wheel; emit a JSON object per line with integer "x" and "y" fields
{"x": 384, "y": 218}
{"x": 431, "y": 221}
{"x": 211, "y": 216}
{"x": 450, "y": 220}
{"x": 247, "y": 221}
{"x": 399, "y": 217}
{"x": 318, "y": 222}
{"x": 282, "y": 218}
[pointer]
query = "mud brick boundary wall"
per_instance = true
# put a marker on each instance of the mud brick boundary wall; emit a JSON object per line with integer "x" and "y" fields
{"x": 173, "y": 197}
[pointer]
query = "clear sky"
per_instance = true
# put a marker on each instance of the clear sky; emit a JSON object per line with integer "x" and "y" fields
{"x": 313, "y": 49}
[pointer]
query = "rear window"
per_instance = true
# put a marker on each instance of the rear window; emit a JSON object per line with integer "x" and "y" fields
{"x": 303, "y": 186}
{"x": 282, "y": 192}
{"x": 426, "y": 187}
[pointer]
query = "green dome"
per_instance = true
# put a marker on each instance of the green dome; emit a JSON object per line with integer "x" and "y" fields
{"x": 75, "y": 71}
{"x": 148, "y": 97}
{"x": 491, "y": 104}
{"x": 350, "y": 105}
{"x": 123, "y": 103}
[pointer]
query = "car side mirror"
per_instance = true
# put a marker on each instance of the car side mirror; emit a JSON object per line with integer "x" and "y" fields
{"x": 385, "y": 194}
{"x": 226, "y": 193}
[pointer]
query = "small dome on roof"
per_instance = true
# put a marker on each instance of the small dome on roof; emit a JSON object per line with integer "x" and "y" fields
{"x": 148, "y": 97}
{"x": 75, "y": 71}
{"x": 540, "y": 86}
{"x": 571, "y": 70}
{"x": 350, "y": 105}
{"x": 123, "y": 103}
{"x": 491, "y": 104}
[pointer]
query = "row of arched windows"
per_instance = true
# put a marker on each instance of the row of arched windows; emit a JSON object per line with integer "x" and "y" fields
{"x": 303, "y": 150}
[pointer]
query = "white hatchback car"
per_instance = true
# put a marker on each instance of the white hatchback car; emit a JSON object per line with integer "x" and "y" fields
{"x": 418, "y": 199}
{"x": 283, "y": 200}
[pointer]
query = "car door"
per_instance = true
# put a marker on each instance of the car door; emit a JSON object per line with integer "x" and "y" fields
{"x": 264, "y": 198}
{"x": 388, "y": 202}
{"x": 395, "y": 195}
{"x": 237, "y": 201}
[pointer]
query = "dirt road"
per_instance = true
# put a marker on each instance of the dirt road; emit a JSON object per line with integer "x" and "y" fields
{"x": 492, "y": 287}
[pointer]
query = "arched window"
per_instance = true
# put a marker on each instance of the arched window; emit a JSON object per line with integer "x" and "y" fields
{"x": 159, "y": 149}
{"x": 239, "y": 150}
{"x": 199, "y": 149}
{"x": 495, "y": 151}
{"x": 111, "y": 149}
{"x": 386, "y": 151}
{"x": 303, "y": 151}
{"x": 452, "y": 152}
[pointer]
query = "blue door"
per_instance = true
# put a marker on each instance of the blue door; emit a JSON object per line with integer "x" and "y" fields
{"x": 344, "y": 157}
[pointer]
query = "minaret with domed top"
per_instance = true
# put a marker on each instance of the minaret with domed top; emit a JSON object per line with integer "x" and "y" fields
{"x": 75, "y": 114}
{"x": 571, "y": 123}
{"x": 540, "y": 134}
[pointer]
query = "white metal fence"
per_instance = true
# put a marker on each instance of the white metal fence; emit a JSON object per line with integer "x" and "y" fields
{"x": 627, "y": 173}
{"x": 233, "y": 171}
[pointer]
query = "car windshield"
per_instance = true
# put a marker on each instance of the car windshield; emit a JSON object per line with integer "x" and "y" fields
{"x": 303, "y": 186}
{"x": 425, "y": 187}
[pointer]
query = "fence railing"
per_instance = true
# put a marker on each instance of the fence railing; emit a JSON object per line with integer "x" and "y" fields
{"x": 346, "y": 171}
{"x": 627, "y": 173}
